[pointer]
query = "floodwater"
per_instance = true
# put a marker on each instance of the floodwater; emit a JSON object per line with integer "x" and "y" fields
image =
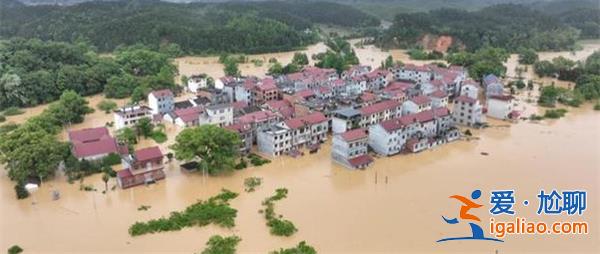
{"x": 588, "y": 47}
{"x": 394, "y": 206}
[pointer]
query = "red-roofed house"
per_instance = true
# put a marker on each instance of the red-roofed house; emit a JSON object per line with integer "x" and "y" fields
{"x": 265, "y": 90}
{"x": 391, "y": 136}
{"x": 439, "y": 99}
{"x": 416, "y": 104}
{"x": 367, "y": 98}
{"x": 92, "y": 143}
{"x": 379, "y": 112}
{"x": 350, "y": 149}
{"x": 419, "y": 74}
{"x": 299, "y": 131}
{"x": 185, "y": 117}
{"x": 283, "y": 107}
{"x": 143, "y": 167}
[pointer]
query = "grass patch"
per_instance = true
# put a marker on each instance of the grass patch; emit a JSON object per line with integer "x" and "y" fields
{"x": 214, "y": 210}
{"x": 279, "y": 226}
{"x": 221, "y": 245}
{"x": 159, "y": 136}
{"x": 251, "y": 183}
{"x": 555, "y": 113}
{"x": 301, "y": 248}
{"x": 13, "y": 111}
{"x": 256, "y": 160}
{"x": 144, "y": 208}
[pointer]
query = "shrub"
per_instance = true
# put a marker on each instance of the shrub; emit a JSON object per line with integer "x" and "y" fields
{"x": 302, "y": 248}
{"x": 241, "y": 165}
{"x": 2, "y": 118}
{"x": 251, "y": 183}
{"x": 597, "y": 106}
{"x": 279, "y": 226}
{"x": 257, "y": 160}
{"x": 15, "y": 249}
{"x": 468, "y": 133}
{"x": 111, "y": 160}
{"x": 21, "y": 192}
{"x": 107, "y": 106}
{"x": 555, "y": 113}
{"x": 159, "y": 136}
{"x": 11, "y": 111}
{"x": 221, "y": 245}
{"x": 214, "y": 210}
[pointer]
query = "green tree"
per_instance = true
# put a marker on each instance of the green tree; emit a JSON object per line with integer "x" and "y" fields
{"x": 216, "y": 147}
{"x": 107, "y": 106}
{"x": 127, "y": 135}
{"x": 527, "y": 56}
{"x": 301, "y": 248}
{"x": 29, "y": 152}
{"x": 231, "y": 68}
{"x": 70, "y": 108}
{"x": 15, "y": 249}
{"x": 221, "y": 245}
{"x": 144, "y": 127}
{"x": 105, "y": 178}
{"x": 300, "y": 59}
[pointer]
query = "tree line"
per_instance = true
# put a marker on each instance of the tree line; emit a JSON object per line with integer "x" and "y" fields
{"x": 199, "y": 28}
{"x": 507, "y": 26}
{"x": 34, "y": 72}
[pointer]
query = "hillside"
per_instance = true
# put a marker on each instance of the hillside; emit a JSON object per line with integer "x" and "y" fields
{"x": 197, "y": 27}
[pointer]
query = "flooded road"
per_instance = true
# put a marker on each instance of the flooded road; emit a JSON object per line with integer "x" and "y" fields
{"x": 394, "y": 206}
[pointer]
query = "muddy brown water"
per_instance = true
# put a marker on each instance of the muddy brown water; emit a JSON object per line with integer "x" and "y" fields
{"x": 394, "y": 206}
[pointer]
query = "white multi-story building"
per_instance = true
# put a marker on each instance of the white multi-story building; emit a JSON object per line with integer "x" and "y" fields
{"x": 161, "y": 101}
{"x": 500, "y": 106}
{"x": 467, "y": 111}
{"x": 130, "y": 115}
{"x": 416, "y": 104}
{"x": 221, "y": 115}
{"x": 470, "y": 89}
{"x": 413, "y": 132}
{"x": 378, "y": 112}
{"x": 350, "y": 149}
{"x": 196, "y": 82}
{"x": 306, "y": 130}
{"x": 418, "y": 74}
{"x": 439, "y": 99}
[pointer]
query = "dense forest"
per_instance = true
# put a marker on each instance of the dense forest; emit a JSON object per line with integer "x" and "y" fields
{"x": 33, "y": 72}
{"x": 197, "y": 28}
{"x": 507, "y": 26}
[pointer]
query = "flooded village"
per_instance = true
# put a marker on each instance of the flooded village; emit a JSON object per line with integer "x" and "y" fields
{"x": 369, "y": 157}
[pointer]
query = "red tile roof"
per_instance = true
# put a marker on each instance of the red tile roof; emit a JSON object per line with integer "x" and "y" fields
{"x": 189, "y": 114}
{"x": 421, "y": 99}
{"x": 257, "y": 116}
{"x": 162, "y": 93}
{"x": 366, "y": 96}
{"x": 420, "y": 68}
{"x": 362, "y": 160}
{"x": 439, "y": 94}
{"x": 421, "y": 117}
{"x": 239, "y": 127}
{"x": 398, "y": 86}
{"x": 465, "y": 99}
{"x": 354, "y": 135}
{"x": 239, "y": 104}
{"x": 310, "y": 119}
{"x": 149, "y": 153}
{"x": 267, "y": 84}
{"x": 92, "y": 141}
{"x": 379, "y": 107}
{"x": 305, "y": 93}
{"x": 502, "y": 97}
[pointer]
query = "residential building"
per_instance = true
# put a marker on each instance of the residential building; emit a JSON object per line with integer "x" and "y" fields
{"x": 345, "y": 119}
{"x": 416, "y": 104}
{"x": 378, "y": 112}
{"x": 500, "y": 106}
{"x": 418, "y": 74}
{"x": 93, "y": 143}
{"x": 265, "y": 91}
{"x": 468, "y": 111}
{"x": 246, "y": 135}
{"x": 196, "y": 82}
{"x": 219, "y": 114}
{"x": 128, "y": 116}
{"x": 470, "y": 89}
{"x": 493, "y": 86}
{"x": 143, "y": 167}
{"x": 350, "y": 149}
{"x": 293, "y": 134}
{"x": 439, "y": 99}
{"x": 161, "y": 101}
{"x": 274, "y": 140}
{"x": 186, "y": 117}
{"x": 413, "y": 132}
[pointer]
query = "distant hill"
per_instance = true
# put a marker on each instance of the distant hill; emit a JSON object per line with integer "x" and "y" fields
{"x": 247, "y": 27}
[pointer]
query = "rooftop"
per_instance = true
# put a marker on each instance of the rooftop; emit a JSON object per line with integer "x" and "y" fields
{"x": 149, "y": 153}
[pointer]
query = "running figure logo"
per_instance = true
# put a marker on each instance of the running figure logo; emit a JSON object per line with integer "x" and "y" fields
{"x": 468, "y": 204}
